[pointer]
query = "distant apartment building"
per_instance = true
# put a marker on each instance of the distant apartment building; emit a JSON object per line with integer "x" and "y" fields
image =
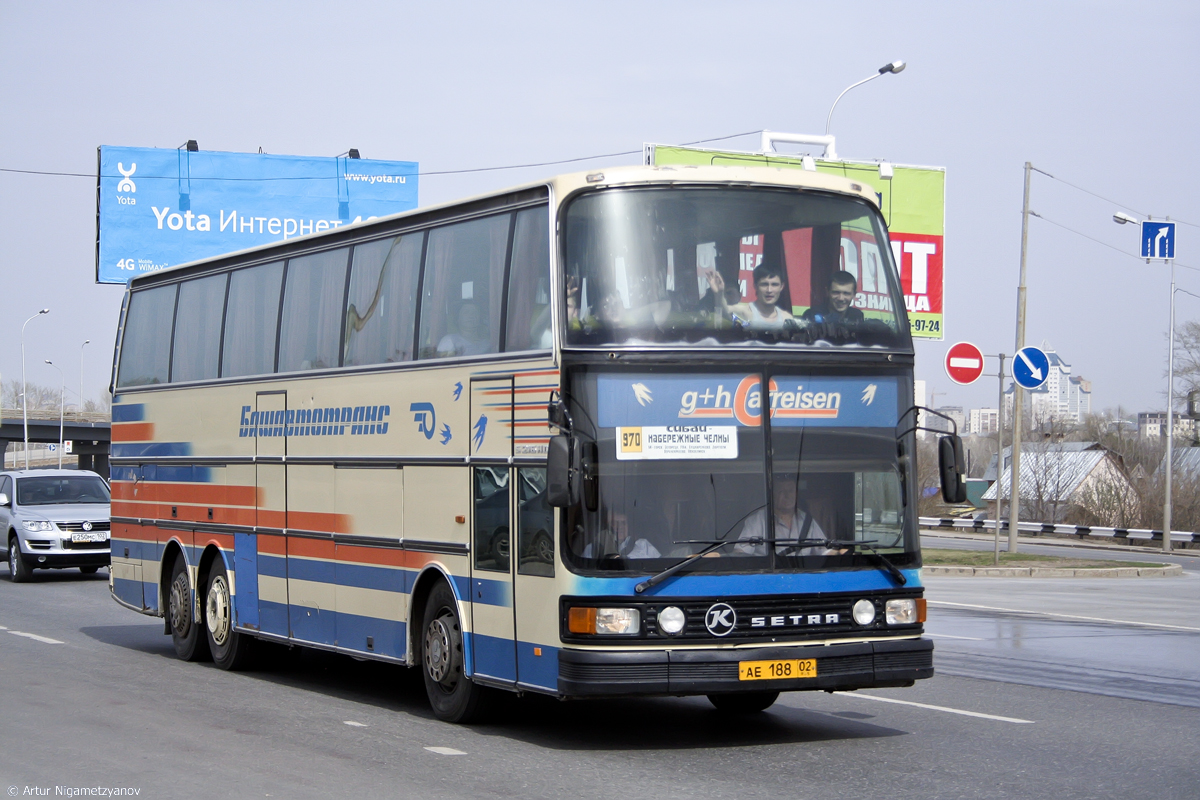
{"x": 1062, "y": 398}
{"x": 1152, "y": 423}
{"x": 983, "y": 421}
{"x": 955, "y": 413}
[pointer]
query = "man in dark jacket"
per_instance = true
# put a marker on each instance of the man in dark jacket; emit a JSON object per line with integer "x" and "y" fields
{"x": 837, "y": 310}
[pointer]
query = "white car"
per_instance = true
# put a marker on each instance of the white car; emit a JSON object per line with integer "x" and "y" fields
{"x": 54, "y": 519}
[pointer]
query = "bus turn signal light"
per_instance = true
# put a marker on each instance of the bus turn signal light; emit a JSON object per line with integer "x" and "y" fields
{"x": 581, "y": 620}
{"x": 921, "y": 610}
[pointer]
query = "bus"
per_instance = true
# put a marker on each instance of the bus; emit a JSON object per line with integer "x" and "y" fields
{"x": 532, "y": 441}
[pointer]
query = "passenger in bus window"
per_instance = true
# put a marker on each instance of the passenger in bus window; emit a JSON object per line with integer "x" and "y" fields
{"x": 472, "y": 338}
{"x": 793, "y": 525}
{"x": 765, "y": 312}
{"x": 837, "y": 310}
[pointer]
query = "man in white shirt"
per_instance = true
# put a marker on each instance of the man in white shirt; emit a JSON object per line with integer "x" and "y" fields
{"x": 792, "y": 525}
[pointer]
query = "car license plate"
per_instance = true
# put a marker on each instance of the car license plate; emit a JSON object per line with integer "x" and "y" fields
{"x": 777, "y": 670}
{"x": 89, "y": 537}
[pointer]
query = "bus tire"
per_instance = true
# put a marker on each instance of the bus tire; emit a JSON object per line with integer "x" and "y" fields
{"x": 230, "y": 649}
{"x": 190, "y": 643}
{"x": 453, "y": 696}
{"x": 743, "y": 702}
{"x": 18, "y": 570}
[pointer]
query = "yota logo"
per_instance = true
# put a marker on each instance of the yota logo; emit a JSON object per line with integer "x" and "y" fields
{"x": 126, "y": 185}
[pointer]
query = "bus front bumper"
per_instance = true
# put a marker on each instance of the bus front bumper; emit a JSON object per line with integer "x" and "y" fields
{"x": 858, "y": 665}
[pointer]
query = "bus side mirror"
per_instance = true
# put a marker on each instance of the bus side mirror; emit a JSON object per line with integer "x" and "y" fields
{"x": 558, "y": 472}
{"x": 950, "y": 465}
{"x": 588, "y": 456}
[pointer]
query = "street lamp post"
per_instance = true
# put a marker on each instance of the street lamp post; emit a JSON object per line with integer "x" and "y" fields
{"x": 894, "y": 68}
{"x": 24, "y": 393}
{"x": 1168, "y": 465}
{"x": 61, "y": 405}
{"x": 86, "y": 342}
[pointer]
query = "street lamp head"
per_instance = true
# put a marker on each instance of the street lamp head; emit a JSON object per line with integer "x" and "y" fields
{"x": 44, "y": 311}
{"x": 48, "y": 361}
{"x": 86, "y": 341}
{"x": 1121, "y": 218}
{"x": 895, "y": 66}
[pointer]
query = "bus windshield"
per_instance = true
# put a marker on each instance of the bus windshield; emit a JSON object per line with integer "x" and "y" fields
{"x": 729, "y": 266}
{"x": 672, "y": 481}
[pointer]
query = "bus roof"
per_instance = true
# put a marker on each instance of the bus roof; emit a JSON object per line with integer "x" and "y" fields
{"x": 566, "y": 184}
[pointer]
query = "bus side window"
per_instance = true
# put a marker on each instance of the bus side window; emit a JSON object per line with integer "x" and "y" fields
{"x": 146, "y": 347}
{"x": 198, "y": 329}
{"x": 464, "y": 279}
{"x": 251, "y": 315}
{"x": 528, "y": 314}
{"x": 381, "y": 307}
{"x": 492, "y": 536}
{"x": 309, "y": 336}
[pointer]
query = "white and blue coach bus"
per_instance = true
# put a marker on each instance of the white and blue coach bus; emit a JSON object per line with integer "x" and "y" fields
{"x": 644, "y": 431}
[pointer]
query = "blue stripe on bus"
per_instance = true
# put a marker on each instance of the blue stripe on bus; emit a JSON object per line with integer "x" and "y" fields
{"x": 128, "y": 591}
{"x": 491, "y": 593}
{"x": 131, "y": 412}
{"x": 537, "y": 670}
{"x": 389, "y": 635}
{"x": 495, "y": 657}
{"x": 140, "y": 449}
{"x": 864, "y": 580}
{"x": 184, "y": 474}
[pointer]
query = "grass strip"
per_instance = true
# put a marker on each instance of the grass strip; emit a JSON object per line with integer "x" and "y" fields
{"x": 931, "y": 557}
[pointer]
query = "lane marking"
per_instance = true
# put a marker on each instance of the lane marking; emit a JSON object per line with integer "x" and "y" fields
{"x": 445, "y": 751}
{"x": 1066, "y": 616}
{"x": 937, "y": 708}
{"x": 948, "y": 636}
{"x": 35, "y": 637}
{"x": 354, "y": 724}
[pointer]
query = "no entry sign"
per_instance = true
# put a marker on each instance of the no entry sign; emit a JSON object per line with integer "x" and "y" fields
{"x": 964, "y": 363}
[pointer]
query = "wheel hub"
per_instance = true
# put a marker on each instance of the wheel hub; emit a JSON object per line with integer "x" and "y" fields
{"x": 217, "y": 610}
{"x": 437, "y": 651}
{"x": 181, "y": 618}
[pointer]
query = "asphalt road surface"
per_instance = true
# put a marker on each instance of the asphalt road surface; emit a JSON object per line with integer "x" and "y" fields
{"x": 1025, "y": 704}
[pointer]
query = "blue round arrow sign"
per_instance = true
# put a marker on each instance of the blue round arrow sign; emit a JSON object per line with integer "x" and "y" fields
{"x": 1031, "y": 367}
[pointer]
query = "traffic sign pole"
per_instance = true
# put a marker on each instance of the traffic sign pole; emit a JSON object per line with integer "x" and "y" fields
{"x": 1170, "y": 463}
{"x": 999, "y": 450}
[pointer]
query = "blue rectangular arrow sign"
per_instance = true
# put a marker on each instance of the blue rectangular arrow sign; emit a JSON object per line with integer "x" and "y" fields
{"x": 1158, "y": 240}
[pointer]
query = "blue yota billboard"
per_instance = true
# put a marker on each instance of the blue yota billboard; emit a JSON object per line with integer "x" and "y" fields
{"x": 158, "y": 208}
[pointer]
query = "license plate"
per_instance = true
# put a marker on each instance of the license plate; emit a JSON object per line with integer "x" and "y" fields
{"x": 777, "y": 670}
{"x": 89, "y": 537}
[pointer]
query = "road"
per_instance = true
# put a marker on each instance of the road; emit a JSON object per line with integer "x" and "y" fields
{"x": 92, "y": 696}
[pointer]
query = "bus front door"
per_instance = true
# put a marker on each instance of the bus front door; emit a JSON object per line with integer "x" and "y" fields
{"x": 270, "y": 523}
{"x": 493, "y": 620}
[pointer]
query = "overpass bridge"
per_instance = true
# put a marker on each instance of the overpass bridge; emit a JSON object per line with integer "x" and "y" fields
{"x": 90, "y": 434}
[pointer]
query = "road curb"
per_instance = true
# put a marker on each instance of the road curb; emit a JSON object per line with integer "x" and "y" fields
{"x": 1165, "y": 571}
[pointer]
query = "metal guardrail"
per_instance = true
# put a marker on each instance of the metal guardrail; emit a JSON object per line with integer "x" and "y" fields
{"x": 1130, "y": 535}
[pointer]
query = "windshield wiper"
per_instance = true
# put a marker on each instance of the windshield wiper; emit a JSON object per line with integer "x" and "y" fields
{"x": 884, "y": 562}
{"x": 654, "y": 580}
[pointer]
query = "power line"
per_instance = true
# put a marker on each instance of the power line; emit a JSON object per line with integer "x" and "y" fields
{"x": 1097, "y": 241}
{"x": 1102, "y": 197}
{"x": 420, "y": 174}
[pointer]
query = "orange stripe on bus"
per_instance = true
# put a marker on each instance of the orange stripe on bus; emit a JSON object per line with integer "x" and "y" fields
{"x": 319, "y": 521}
{"x": 132, "y": 431}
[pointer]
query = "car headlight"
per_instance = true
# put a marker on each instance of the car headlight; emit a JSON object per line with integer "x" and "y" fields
{"x": 37, "y": 525}
{"x": 900, "y": 612}
{"x": 604, "y": 620}
{"x": 864, "y": 612}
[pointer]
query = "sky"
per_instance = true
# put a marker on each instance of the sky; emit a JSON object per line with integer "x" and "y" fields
{"x": 1101, "y": 95}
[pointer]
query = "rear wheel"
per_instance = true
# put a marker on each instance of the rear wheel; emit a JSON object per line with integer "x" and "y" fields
{"x": 743, "y": 702}
{"x": 230, "y": 649}
{"x": 453, "y": 696}
{"x": 190, "y": 642}
{"x": 18, "y": 570}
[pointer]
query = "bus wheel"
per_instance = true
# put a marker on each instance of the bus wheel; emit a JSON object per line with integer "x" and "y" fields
{"x": 453, "y": 696}
{"x": 743, "y": 702}
{"x": 230, "y": 649}
{"x": 190, "y": 644}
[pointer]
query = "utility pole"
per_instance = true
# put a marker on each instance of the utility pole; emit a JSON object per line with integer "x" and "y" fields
{"x": 1014, "y": 492}
{"x": 999, "y": 452}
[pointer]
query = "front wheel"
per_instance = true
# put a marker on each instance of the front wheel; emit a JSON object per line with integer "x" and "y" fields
{"x": 453, "y": 696}
{"x": 18, "y": 570}
{"x": 230, "y": 649}
{"x": 743, "y": 702}
{"x": 190, "y": 643}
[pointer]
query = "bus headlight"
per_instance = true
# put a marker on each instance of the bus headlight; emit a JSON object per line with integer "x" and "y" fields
{"x": 671, "y": 620}
{"x": 900, "y": 612}
{"x": 604, "y": 621}
{"x": 864, "y": 612}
